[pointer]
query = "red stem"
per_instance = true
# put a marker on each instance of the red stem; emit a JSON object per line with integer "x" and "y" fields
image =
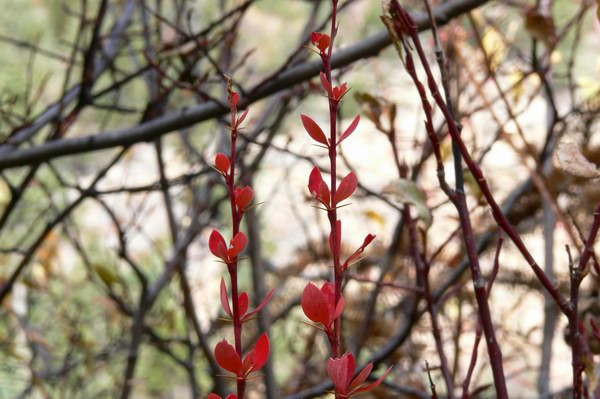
{"x": 474, "y": 168}
{"x": 576, "y": 277}
{"x": 332, "y": 213}
{"x": 232, "y": 267}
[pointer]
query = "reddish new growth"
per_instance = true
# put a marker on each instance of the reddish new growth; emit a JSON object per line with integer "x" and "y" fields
{"x": 243, "y": 303}
{"x": 325, "y": 306}
{"x": 219, "y": 248}
{"x": 319, "y": 306}
{"x": 229, "y": 357}
{"x": 341, "y": 371}
{"x": 320, "y": 41}
{"x": 231, "y": 361}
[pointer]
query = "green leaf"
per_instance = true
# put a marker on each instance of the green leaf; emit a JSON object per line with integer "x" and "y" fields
{"x": 106, "y": 274}
{"x": 406, "y": 191}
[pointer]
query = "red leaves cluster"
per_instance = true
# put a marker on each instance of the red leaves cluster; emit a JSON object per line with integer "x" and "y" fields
{"x": 243, "y": 196}
{"x": 218, "y": 246}
{"x": 319, "y": 305}
{"x": 234, "y": 99}
{"x": 342, "y": 370}
{"x": 227, "y": 356}
{"x": 335, "y": 93}
{"x": 321, "y": 41}
{"x": 320, "y": 190}
{"x": 317, "y": 134}
{"x": 243, "y": 303}
{"x": 230, "y": 360}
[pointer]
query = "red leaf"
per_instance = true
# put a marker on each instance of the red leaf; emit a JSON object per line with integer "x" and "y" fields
{"x": 261, "y": 352}
{"x": 314, "y": 37}
{"x": 257, "y": 357}
{"x": 335, "y": 311}
{"x": 359, "y": 251}
{"x": 227, "y": 357}
{"x": 326, "y": 84}
{"x": 314, "y": 130}
{"x": 244, "y": 197}
{"x": 373, "y": 385}
{"x": 321, "y": 40}
{"x": 222, "y": 163}
{"x": 234, "y": 99}
{"x": 318, "y": 188}
{"x": 314, "y": 305}
{"x": 243, "y": 302}
{"x": 323, "y": 194}
{"x": 217, "y": 245}
{"x": 339, "y": 92}
{"x": 247, "y": 364}
{"x": 314, "y": 180}
{"x": 261, "y": 306}
{"x": 241, "y": 118}
{"x": 341, "y": 372}
{"x": 238, "y": 244}
{"x": 324, "y": 43}
{"x": 225, "y": 298}
{"x": 349, "y": 130}
{"x": 346, "y": 188}
{"x": 339, "y": 309}
{"x": 361, "y": 377}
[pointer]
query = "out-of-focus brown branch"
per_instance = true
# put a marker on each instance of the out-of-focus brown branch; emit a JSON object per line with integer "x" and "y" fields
{"x": 153, "y": 129}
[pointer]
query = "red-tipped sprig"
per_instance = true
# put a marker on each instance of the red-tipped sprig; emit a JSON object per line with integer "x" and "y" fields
{"x": 341, "y": 371}
{"x": 325, "y": 306}
{"x": 230, "y": 357}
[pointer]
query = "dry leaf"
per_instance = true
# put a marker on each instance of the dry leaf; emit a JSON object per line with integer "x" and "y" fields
{"x": 407, "y": 192}
{"x": 540, "y": 26}
{"x": 376, "y": 217}
{"x": 571, "y": 160}
{"x": 106, "y": 274}
{"x": 494, "y": 46}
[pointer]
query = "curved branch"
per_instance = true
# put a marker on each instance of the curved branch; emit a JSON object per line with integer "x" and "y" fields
{"x": 191, "y": 115}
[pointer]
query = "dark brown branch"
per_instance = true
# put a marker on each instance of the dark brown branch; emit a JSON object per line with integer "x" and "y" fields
{"x": 185, "y": 117}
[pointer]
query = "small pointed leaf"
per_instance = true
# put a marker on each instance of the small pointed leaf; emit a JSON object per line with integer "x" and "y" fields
{"x": 261, "y": 306}
{"x": 244, "y": 302}
{"x": 349, "y": 130}
{"x": 217, "y": 245}
{"x": 244, "y": 197}
{"x": 222, "y": 163}
{"x": 227, "y": 357}
{"x": 314, "y": 305}
{"x": 225, "y": 298}
{"x": 314, "y": 130}
{"x": 373, "y": 385}
{"x": 346, "y": 188}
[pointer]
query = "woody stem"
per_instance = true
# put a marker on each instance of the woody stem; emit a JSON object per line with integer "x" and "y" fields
{"x": 332, "y": 213}
{"x": 232, "y": 267}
